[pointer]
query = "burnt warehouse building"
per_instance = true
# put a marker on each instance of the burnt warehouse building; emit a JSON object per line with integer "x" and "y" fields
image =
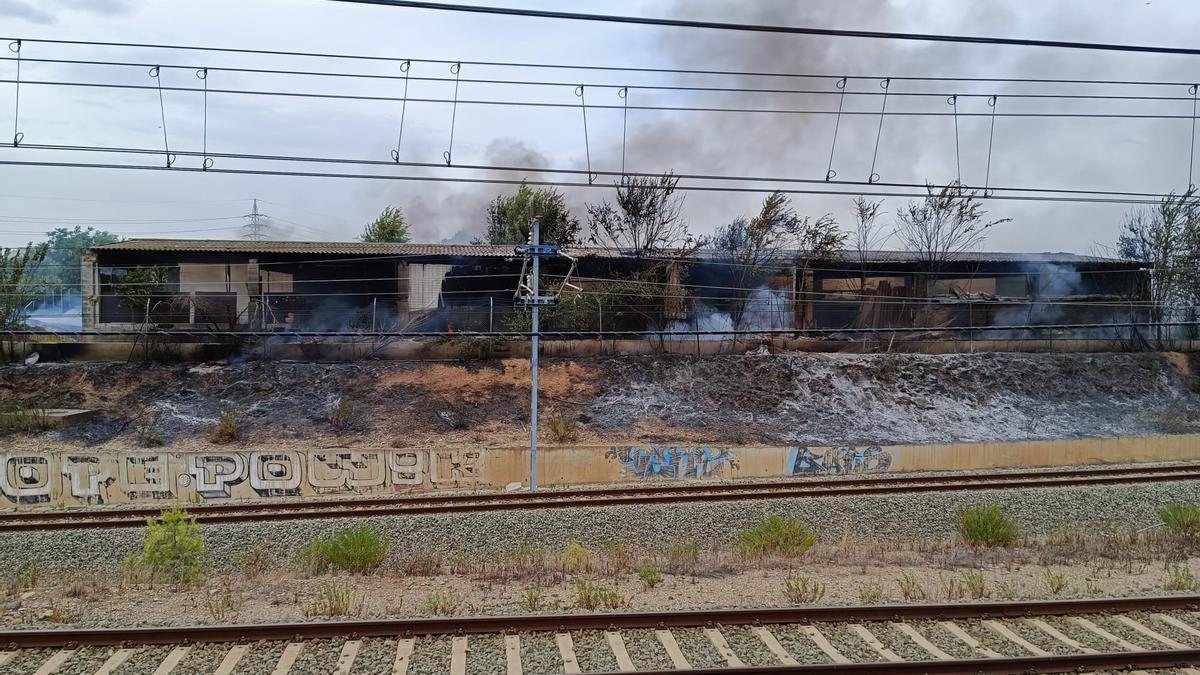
{"x": 289, "y": 285}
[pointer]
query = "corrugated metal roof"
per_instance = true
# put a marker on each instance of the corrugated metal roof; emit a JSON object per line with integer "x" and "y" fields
{"x": 357, "y": 248}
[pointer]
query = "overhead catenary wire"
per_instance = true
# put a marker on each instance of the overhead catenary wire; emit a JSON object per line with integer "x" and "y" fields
{"x": 678, "y": 87}
{"x": 326, "y": 56}
{"x": 790, "y": 30}
{"x": 548, "y": 183}
{"x": 596, "y": 106}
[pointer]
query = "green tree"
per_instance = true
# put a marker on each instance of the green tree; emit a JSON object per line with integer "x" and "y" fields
{"x": 509, "y": 216}
{"x": 647, "y": 219}
{"x": 777, "y": 237}
{"x": 389, "y": 227}
{"x": 138, "y": 287}
{"x": 18, "y": 288}
{"x": 66, "y": 247}
{"x": 1166, "y": 239}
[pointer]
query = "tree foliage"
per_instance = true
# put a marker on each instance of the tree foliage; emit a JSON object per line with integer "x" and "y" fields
{"x": 947, "y": 222}
{"x": 138, "y": 286}
{"x": 646, "y": 220}
{"x": 777, "y": 237}
{"x": 868, "y": 234}
{"x": 389, "y": 227}
{"x": 1166, "y": 238}
{"x": 509, "y": 216}
{"x": 18, "y": 284}
{"x": 66, "y": 247}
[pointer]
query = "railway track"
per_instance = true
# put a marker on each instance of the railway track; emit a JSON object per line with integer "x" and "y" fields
{"x": 74, "y": 519}
{"x": 1005, "y": 637}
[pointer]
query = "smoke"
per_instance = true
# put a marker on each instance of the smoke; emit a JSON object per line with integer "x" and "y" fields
{"x": 765, "y": 309}
{"x": 62, "y": 313}
{"x": 1031, "y": 152}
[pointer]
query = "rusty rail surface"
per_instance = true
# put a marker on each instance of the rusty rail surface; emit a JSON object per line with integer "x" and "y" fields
{"x": 311, "y": 509}
{"x": 474, "y": 625}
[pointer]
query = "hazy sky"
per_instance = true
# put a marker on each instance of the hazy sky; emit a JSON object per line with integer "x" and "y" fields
{"x": 1122, "y": 154}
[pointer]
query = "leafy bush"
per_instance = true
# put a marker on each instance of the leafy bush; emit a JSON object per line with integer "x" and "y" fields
{"x": 1181, "y": 519}
{"x": 777, "y": 535}
{"x": 650, "y": 575}
{"x": 802, "y": 590}
{"x": 228, "y": 428}
{"x": 986, "y": 525}
{"x": 576, "y": 558}
{"x": 172, "y": 549}
{"x": 441, "y": 603}
{"x": 341, "y": 415}
{"x": 357, "y": 550}
{"x": 562, "y": 429}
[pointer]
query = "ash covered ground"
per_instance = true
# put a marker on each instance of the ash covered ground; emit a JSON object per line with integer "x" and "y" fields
{"x": 784, "y": 398}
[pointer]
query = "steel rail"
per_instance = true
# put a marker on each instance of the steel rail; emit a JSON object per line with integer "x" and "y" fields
{"x": 624, "y": 496}
{"x": 473, "y": 625}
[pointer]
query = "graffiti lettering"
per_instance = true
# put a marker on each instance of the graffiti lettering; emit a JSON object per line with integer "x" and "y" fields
{"x": 672, "y": 462}
{"x": 215, "y": 475}
{"x": 344, "y": 469}
{"x": 802, "y": 461}
{"x": 89, "y": 479}
{"x": 146, "y": 477}
{"x": 25, "y": 479}
{"x": 275, "y": 474}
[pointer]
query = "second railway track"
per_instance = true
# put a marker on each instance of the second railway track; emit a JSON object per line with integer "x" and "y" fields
{"x": 72, "y": 519}
{"x": 995, "y": 637}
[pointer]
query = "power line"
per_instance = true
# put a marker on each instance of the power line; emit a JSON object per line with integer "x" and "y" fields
{"x": 662, "y": 87}
{"x": 547, "y": 183}
{"x": 1143, "y": 197}
{"x": 601, "y": 106}
{"x": 791, "y": 30}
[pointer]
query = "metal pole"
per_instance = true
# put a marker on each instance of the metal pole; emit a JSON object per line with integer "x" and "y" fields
{"x": 535, "y": 239}
{"x": 374, "y": 309}
{"x": 491, "y": 314}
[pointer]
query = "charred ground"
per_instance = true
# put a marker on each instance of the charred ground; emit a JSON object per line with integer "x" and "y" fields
{"x": 788, "y": 398}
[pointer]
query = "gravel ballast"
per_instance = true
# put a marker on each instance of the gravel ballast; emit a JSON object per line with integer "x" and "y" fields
{"x": 1038, "y": 511}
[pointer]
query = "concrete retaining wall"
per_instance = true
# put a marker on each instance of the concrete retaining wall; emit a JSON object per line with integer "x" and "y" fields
{"x": 84, "y": 477}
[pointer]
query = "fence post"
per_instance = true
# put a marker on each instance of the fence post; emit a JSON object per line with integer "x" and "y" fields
{"x": 491, "y": 310}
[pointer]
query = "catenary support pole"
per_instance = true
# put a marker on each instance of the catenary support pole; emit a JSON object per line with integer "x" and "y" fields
{"x": 535, "y": 239}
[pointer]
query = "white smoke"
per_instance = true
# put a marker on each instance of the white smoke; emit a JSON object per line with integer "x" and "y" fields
{"x": 765, "y": 309}
{"x": 61, "y": 313}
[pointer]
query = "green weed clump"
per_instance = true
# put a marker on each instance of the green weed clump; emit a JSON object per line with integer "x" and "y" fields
{"x": 802, "y": 590}
{"x": 444, "y": 604}
{"x": 357, "y": 550}
{"x": 1181, "y": 519}
{"x": 986, "y": 525}
{"x": 341, "y": 415}
{"x": 777, "y": 535}
{"x": 172, "y": 550}
{"x": 332, "y": 601}
{"x": 576, "y": 558}
{"x": 650, "y": 575}
{"x": 1180, "y": 578}
{"x": 683, "y": 557}
{"x": 590, "y": 596}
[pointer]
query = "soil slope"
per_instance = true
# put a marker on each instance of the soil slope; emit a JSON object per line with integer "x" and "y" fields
{"x": 777, "y": 399}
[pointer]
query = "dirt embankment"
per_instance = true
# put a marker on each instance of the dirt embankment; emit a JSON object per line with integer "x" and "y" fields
{"x": 787, "y": 398}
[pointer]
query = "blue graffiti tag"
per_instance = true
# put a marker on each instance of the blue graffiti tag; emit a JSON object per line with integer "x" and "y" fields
{"x": 671, "y": 462}
{"x": 837, "y": 461}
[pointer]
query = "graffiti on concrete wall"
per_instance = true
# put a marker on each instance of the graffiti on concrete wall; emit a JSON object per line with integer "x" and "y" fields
{"x": 672, "y": 462}
{"x": 802, "y": 461}
{"x": 31, "y": 478}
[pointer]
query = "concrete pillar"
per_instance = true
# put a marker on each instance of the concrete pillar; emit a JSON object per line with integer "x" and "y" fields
{"x": 254, "y": 311}
{"x": 89, "y": 291}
